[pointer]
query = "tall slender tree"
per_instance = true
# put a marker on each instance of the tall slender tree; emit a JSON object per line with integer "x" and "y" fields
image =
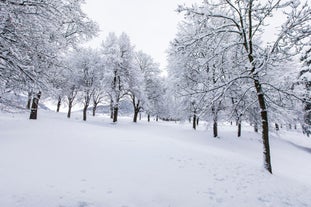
{"x": 243, "y": 22}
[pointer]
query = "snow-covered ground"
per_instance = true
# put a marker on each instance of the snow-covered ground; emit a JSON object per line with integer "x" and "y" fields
{"x": 56, "y": 162}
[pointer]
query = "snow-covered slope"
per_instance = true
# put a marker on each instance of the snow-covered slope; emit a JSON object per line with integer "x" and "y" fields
{"x": 56, "y": 162}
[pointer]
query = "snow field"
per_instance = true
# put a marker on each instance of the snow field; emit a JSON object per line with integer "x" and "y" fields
{"x": 56, "y": 162}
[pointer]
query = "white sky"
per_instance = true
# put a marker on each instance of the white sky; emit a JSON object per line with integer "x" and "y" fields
{"x": 151, "y": 24}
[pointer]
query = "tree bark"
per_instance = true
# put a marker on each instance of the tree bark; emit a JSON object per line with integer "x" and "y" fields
{"x": 135, "y": 115}
{"x": 215, "y": 118}
{"x": 115, "y": 113}
{"x": 265, "y": 125}
{"x": 29, "y": 100}
{"x": 148, "y": 117}
{"x": 157, "y": 118}
{"x": 34, "y": 106}
{"x": 85, "y": 112}
{"x": 239, "y": 128}
{"x": 194, "y": 122}
{"x": 58, "y": 103}
{"x": 277, "y": 127}
{"x": 94, "y": 108}
{"x": 69, "y": 108}
{"x": 248, "y": 44}
{"x": 111, "y": 109}
{"x": 215, "y": 130}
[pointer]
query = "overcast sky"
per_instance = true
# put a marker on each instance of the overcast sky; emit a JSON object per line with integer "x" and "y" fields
{"x": 151, "y": 24}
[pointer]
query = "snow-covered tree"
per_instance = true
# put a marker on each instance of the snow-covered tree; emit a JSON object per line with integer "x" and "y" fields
{"x": 118, "y": 59}
{"x": 305, "y": 80}
{"x": 243, "y": 22}
{"x": 151, "y": 81}
{"x": 89, "y": 68}
{"x": 33, "y": 34}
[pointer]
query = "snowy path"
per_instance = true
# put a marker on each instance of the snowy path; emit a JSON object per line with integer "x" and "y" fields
{"x": 55, "y": 162}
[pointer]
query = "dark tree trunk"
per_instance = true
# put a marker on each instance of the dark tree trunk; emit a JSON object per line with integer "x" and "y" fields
{"x": 215, "y": 130}
{"x": 295, "y": 126}
{"x": 197, "y": 121}
{"x": 115, "y": 113}
{"x": 85, "y": 112}
{"x": 265, "y": 126}
{"x": 34, "y": 106}
{"x": 239, "y": 129}
{"x": 69, "y": 108}
{"x": 290, "y": 126}
{"x": 58, "y": 103}
{"x": 29, "y": 100}
{"x": 136, "y": 111}
{"x": 215, "y": 124}
{"x": 111, "y": 109}
{"x": 148, "y": 117}
{"x": 277, "y": 127}
{"x": 194, "y": 122}
{"x": 157, "y": 118}
{"x": 94, "y": 108}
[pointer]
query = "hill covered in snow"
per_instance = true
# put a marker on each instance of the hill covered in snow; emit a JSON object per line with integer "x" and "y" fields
{"x": 60, "y": 162}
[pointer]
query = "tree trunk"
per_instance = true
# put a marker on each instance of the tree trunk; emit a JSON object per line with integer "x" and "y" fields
{"x": 69, "y": 109}
{"x": 85, "y": 112}
{"x": 135, "y": 115}
{"x": 29, "y": 100}
{"x": 194, "y": 122}
{"x": 215, "y": 131}
{"x": 277, "y": 127}
{"x": 265, "y": 126}
{"x": 34, "y": 106}
{"x": 197, "y": 121}
{"x": 94, "y": 108}
{"x": 157, "y": 118}
{"x": 239, "y": 129}
{"x": 58, "y": 103}
{"x": 111, "y": 109}
{"x": 215, "y": 118}
{"x": 148, "y": 117}
{"x": 115, "y": 113}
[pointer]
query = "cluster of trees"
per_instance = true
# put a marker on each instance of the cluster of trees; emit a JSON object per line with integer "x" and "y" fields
{"x": 34, "y": 35}
{"x": 108, "y": 74}
{"x": 40, "y": 56}
{"x": 219, "y": 66}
